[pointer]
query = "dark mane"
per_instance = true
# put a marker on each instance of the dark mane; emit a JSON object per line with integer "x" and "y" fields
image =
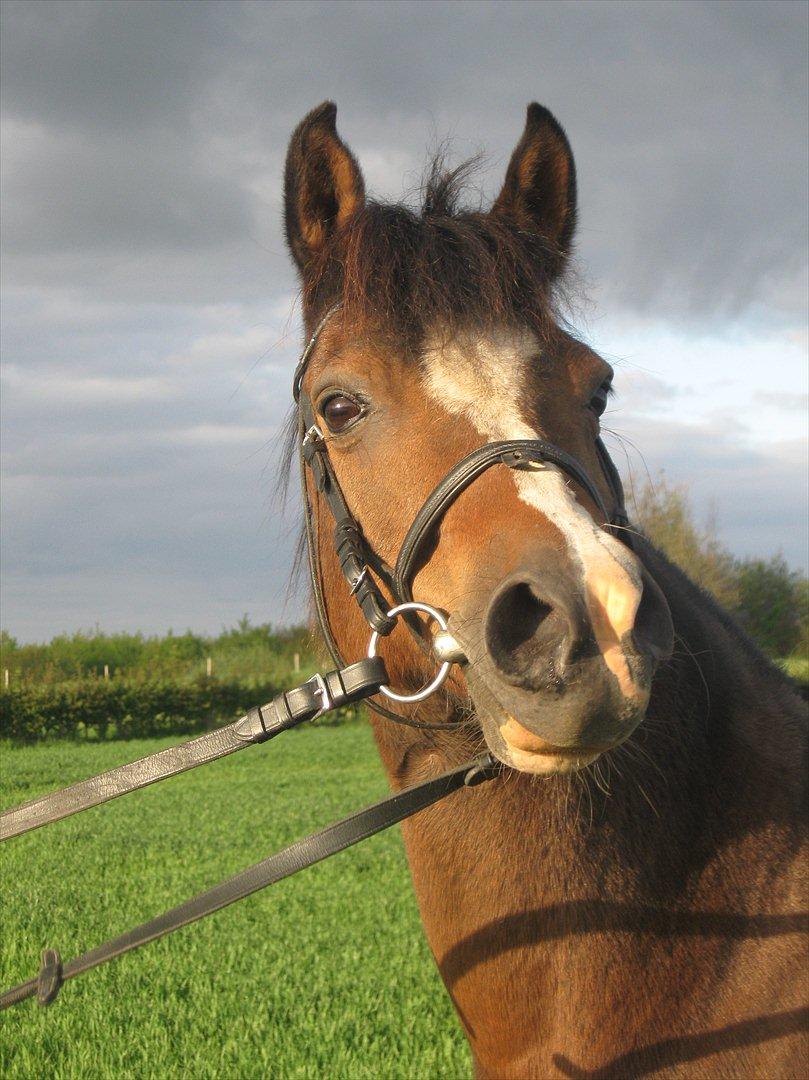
{"x": 401, "y": 269}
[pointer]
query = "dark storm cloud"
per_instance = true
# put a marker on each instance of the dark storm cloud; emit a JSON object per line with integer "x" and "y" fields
{"x": 148, "y": 319}
{"x": 163, "y": 125}
{"x": 107, "y": 194}
{"x": 89, "y": 66}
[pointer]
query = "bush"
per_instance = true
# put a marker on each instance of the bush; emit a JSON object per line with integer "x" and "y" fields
{"x": 773, "y": 605}
{"x": 664, "y": 513}
{"x": 98, "y": 708}
{"x": 244, "y": 652}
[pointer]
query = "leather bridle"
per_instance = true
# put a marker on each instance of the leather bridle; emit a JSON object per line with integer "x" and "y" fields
{"x": 356, "y": 555}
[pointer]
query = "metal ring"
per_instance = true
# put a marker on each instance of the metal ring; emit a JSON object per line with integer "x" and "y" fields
{"x": 443, "y": 671}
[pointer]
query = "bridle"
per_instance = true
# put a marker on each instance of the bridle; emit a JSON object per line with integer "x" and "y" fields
{"x": 320, "y": 694}
{"x": 357, "y": 557}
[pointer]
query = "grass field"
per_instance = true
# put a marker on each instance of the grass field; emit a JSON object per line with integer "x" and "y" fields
{"x": 324, "y": 975}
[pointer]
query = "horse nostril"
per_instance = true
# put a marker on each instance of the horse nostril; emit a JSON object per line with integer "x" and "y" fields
{"x": 526, "y": 635}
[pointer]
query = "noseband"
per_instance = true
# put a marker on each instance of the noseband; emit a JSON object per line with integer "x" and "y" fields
{"x": 356, "y": 556}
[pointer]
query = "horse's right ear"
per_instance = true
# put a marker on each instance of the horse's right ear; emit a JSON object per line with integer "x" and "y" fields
{"x": 323, "y": 185}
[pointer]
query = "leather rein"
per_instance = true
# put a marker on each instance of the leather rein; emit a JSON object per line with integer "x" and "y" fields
{"x": 321, "y": 694}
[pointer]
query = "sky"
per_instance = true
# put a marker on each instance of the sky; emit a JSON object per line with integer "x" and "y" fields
{"x": 149, "y": 314}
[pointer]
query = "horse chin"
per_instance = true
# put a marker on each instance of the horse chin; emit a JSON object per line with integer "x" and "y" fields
{"x": 520, "y": 749}
{"x": 551, "y": 762}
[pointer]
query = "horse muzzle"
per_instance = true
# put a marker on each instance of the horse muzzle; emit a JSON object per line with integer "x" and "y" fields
{"x": 562, "y": 671}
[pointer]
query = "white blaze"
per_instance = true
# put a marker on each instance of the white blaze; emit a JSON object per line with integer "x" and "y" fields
{"x": 482, "y": 379}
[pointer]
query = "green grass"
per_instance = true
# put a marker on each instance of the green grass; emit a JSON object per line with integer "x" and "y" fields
{"x": 326, "y": 974}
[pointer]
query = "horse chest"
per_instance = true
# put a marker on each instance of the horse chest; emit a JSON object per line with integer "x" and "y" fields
{"x": 553, "y": 968}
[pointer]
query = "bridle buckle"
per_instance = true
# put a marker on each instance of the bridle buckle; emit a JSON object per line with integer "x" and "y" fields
{"x": 313, "y": 437}
{"x": 322, "y": 690}
{"x": 358, "y": 580}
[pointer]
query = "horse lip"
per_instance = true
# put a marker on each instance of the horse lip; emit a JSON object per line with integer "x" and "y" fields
{"x": 516, "y": 737}
{"x": 520, "y": 738}
{"x": 545, "y": 764}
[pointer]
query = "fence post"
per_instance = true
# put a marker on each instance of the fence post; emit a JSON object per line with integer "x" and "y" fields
{"x": 209, "y": 666}
{"x": 296, "y": 662}
{"x": 106, "y": 671}
{"x": 5, "y": 678}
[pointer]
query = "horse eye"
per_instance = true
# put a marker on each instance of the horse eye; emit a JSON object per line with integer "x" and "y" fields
{"x": 339, "y": 411}
{"x": 598, "y": 402}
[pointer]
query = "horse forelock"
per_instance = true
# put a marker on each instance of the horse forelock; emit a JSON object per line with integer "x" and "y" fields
{"x": 403, "y": 269}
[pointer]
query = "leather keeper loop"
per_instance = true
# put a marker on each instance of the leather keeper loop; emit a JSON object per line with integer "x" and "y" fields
{"x": 345, "y": 686}
{"x": 374, "y": 608}
{"x": 50, "y": 978}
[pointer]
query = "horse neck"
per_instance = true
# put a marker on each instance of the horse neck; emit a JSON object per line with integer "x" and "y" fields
{"x": 718, "y": 681}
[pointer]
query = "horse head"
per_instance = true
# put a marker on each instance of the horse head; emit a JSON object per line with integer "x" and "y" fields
{"x": 445, "y": 336}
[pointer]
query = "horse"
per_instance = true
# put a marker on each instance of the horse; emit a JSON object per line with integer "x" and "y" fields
{"x": 628, "y": 897}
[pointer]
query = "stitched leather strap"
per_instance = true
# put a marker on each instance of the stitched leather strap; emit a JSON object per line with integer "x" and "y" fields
{"x": 619, "y": 522}
{"x": 343, "y": 834}
{"x": 319, "y": 694}
{"x": 348, "y": 540}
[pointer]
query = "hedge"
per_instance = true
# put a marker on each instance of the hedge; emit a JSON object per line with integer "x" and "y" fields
{"x": 124, "y": 709}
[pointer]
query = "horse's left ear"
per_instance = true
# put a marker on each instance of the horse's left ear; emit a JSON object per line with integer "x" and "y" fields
{"x": 539, "y": 193}
{"x": 323, "y": 185}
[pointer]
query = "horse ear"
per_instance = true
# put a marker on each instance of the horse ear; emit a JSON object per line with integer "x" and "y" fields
{"x": 539, "y": 193}
{"x": 323, "y": 185}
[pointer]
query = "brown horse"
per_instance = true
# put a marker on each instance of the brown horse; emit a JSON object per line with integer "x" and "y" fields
{"x": 622, "y": 900}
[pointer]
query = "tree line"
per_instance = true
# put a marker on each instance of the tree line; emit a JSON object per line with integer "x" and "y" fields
{"x": 769, "y": 599}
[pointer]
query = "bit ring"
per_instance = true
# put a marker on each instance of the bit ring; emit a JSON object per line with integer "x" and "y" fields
{"x": 442, "y": 672}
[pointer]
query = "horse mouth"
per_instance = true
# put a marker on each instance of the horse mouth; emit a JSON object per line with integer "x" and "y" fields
{"x": 530, "y": 753}
{"x": 520, "y": 748}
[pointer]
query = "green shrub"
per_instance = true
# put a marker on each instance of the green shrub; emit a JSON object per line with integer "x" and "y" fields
{"x": 242, "y": 653}
{"x": 663, "y": 511}
{"x": 130, "y": 709}
{"x": 773, "y": 604}
{"x": 98, "y": 708}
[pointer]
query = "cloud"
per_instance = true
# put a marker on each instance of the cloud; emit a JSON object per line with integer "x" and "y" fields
{"x": 90, "y": 66}
{"x": 149, "y": 329}
{"x": 755, "y": 494}
{"x": 142, "y": 128}
{"x": 782, "y": 402}
{"x": 67, "y": 388}
{"x": 253, "y": 344}
{"x": 80, "y": 194}
{"x": 640, "y": 391}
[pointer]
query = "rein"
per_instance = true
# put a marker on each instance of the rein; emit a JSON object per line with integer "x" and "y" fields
{"x": 321, "y": 694}
{"x": 343, "y": 834}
